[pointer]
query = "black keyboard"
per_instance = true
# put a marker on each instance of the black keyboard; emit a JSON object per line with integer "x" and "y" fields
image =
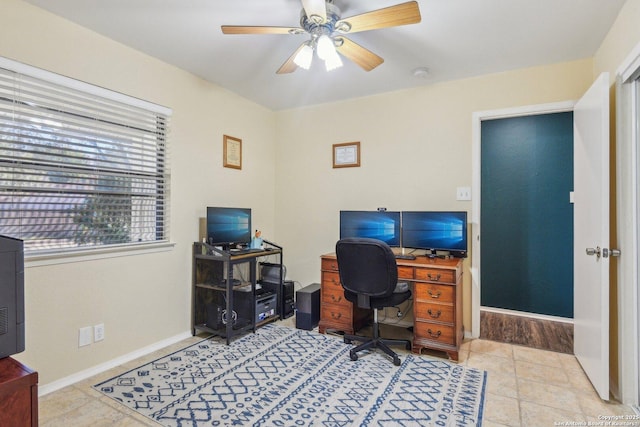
{"x": 246, "y": 251}
{"x": 405, "y": 256}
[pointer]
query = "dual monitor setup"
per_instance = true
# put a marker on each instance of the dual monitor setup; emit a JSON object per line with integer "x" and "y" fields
{"x": 433, "y": 231}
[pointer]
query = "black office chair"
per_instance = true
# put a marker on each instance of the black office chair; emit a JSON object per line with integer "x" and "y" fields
{"x": 369, "y": 276}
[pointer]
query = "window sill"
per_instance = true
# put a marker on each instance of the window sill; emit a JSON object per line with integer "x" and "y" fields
{"x": 52, "y": 258}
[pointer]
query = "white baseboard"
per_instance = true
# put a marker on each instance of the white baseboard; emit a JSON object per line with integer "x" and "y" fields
{"x": 87, "y": 373}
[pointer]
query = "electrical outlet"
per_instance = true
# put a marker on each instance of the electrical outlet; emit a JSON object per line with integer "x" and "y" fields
{"x": 84, "y": 336}
{"x": 98, "y": 332}
{"x": 463, "y": 193}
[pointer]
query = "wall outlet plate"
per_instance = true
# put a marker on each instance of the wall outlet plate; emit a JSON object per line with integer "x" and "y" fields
{"x": 98, "y": 332}
{"x": 84, "y": 336}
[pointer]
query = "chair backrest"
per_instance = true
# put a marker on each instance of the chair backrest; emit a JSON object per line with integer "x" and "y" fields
{"x": 367, "y": 267}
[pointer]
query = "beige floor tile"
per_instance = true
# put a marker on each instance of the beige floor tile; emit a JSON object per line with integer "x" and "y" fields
{"x": 502, "y": 410}
{"x": 502, "y": 385}
{"x": 492, "y": 364}
{"x": 61, "y": 402}
{"x": 93, "y": 413}
{"x": 542, "y": 357}
{"x": 593, "y": 406}
{"x": 492, "y": 347}
{"x": 535, "y": 415}
{"x": 541, "y": 373}
{"x": 548, "y": 395}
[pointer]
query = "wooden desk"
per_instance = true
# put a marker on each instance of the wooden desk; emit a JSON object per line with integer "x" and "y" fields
{"x": 18, "y": 394}
{"x": 437, "y": 302}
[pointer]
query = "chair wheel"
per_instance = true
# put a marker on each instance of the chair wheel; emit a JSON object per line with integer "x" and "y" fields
{"x": 353, "y": 355}
{"x": 408, "y": 346}
{"x": 396, "y": 361}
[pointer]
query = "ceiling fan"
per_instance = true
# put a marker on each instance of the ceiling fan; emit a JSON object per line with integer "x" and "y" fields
{"x": 322, "y": 20}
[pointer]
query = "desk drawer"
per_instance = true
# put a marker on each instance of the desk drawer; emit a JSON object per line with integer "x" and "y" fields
{"x": 434, "y": 332}
{"x": 436, "y": 293}
{"x": 434, "y": 312}
{"x": 329, "y": 264}
{"x": 405, "y": 272}
{"x": 436, "y": 275}
{"x": 337, "y": 316}
{"x": 331, "y": 293}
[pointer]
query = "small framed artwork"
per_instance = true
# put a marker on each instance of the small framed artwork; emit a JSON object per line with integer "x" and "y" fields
{"x": 232, "y": 152}
{"x": 346, "y": 155}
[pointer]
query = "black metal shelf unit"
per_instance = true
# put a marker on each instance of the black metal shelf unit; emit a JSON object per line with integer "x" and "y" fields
{"x": 221, "y": 304}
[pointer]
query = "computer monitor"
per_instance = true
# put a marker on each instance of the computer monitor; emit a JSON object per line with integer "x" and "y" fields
{"x": 381, "y": 225}
{"x": 435, "y": 231}
{"x": 228, "y": 226}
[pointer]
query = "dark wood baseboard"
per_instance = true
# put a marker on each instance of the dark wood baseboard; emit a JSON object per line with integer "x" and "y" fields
{"x": 527, "y": 331}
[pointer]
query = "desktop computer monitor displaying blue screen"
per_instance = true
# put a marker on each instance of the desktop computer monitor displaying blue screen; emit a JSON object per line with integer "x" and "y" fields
{"x": 228, "y": 226}
{"x": 383, "y": 226}
{"x": 435, "y": 231}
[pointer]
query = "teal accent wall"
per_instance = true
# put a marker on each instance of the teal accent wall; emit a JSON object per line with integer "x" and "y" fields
{"x": 526, "y": 218}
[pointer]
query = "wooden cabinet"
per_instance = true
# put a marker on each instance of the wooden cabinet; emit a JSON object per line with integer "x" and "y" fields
{"x": 437, "y": 306}
{"x": 437, "y": 302}
{"x": 335, "y": 311}
{"x": 18, "y": 394}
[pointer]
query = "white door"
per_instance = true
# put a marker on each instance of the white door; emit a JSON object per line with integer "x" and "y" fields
{"x": 591, "y": 234}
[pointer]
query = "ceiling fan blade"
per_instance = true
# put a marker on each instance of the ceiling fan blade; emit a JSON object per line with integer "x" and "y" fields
{"x": 392, "y": 16}
{"x": 314, "y": 8}
{"x": 241, "y": 29}
{"x": 289, "y": 66}
{"x": 358, "y": 54}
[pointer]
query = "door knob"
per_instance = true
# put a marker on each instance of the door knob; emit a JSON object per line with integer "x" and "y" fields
{"x": 604, "y": 251}
{"x": 610, "y": 252}
{"x": 592, "y": 251}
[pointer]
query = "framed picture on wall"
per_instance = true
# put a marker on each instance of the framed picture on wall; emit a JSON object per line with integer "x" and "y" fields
{"x": 346, "y": 155}
{"x": 232, "y": 152}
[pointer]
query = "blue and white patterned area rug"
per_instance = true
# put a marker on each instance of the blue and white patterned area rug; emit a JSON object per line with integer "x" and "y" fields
{"x": 281, "y": 376}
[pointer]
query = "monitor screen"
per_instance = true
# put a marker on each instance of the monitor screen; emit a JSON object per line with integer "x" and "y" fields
{"x": 226, "y": 226}
{"x": 436, "y": 231}
{"x": 383, "y": 226}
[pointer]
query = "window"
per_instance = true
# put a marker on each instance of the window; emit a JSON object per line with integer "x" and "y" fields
{"x": 81, "y": 167}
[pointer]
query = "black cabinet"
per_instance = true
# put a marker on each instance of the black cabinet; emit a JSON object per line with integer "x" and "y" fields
{"x": 226, "y": 305}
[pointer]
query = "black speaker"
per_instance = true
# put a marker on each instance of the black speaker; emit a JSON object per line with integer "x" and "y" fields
{"x": 288, "y": 303}
{"x": 308, "y": 307}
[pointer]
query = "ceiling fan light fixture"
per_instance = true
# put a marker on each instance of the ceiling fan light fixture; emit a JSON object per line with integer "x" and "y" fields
{"x": 304, "y": 57}
{"x": 333, "y": 62}
{"x": 325, "y": 47}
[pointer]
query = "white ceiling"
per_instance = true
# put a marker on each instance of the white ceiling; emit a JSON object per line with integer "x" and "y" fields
{"x": 456, "y": 39}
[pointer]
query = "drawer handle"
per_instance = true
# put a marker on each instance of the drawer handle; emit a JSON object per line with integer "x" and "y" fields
{"x": 434, "y": 315}
{"x": 433, "y": 278}
{"x": 334, "y": 266}
{"x": 434, "y": 294}
{"x": 336, "y": 316}
{"x": 336, "y": 282}
{"x": 333, "y": 297}
{"x": 436, "y": 335}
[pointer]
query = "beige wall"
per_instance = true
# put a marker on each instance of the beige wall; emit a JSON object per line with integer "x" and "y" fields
{"x": 141, "y": 299}
{"x": 416, "y": 149}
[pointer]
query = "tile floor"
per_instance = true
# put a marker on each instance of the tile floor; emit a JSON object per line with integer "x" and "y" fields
{"x": 525, "y": 387}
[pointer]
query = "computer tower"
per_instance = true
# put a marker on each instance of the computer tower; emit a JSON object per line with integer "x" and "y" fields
{"x": 308, "y": 307}
{"x": 288, "y": 302}
{"x": 11, "y": 296}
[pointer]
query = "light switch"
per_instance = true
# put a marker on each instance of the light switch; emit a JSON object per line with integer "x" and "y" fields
{"x": 463, "y": 193}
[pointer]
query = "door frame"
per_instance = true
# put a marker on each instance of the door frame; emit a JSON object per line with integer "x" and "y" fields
{"x": 476, "y": 126}
{"x": 628, "y": 229}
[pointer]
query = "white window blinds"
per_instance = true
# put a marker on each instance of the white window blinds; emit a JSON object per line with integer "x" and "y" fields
{"x": 80, "y": 167}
